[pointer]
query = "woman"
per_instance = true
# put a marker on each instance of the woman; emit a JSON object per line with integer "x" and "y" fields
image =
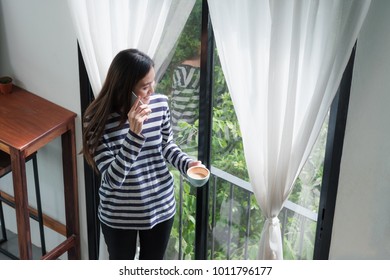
{"x": 129, "y": 144}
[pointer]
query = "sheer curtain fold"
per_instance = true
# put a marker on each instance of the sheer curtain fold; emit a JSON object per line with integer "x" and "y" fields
{"x": 283, "y": 61}
{"x": 104, "y": 28}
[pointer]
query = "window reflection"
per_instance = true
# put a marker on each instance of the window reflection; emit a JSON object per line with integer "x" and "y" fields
{"x": 185, "y": 102}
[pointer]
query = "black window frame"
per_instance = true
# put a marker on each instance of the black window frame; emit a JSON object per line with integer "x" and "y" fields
{"x": 333, "y": 153}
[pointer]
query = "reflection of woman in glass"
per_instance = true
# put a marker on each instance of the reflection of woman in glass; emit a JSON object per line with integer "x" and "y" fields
{"x": 185, "y": 98}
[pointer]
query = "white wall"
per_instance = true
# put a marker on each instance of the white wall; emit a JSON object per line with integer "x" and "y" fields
{"x": 361, "y": 228}
{"x": 39, "y": 50}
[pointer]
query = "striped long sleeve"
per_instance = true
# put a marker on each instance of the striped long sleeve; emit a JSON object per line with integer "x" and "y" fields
{"x": 136, "y": 189}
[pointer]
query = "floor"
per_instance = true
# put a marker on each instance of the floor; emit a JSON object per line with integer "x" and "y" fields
{"x": 11, "y": 246}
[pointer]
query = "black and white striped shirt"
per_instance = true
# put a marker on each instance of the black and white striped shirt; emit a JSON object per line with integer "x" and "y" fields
{"x": 185, "y": 95}
{"x": 137, "y": 189}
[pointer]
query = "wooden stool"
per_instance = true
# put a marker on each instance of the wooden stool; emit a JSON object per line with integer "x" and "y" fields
{"x": 5, "y": 168}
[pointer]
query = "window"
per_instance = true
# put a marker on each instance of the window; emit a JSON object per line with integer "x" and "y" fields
{"x": 234, "y": 221}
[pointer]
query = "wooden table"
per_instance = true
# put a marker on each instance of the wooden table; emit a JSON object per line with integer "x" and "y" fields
{"x": 27, "y": 123}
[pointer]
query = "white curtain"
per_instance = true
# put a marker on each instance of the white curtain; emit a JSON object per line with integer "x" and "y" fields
{"x": 283, "y": 61}
{"x": 104, "y": 28}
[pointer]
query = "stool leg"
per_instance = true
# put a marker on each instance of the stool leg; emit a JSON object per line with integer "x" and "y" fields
{"x": 3, "y": 230}
{"x": 4, "y": 233}
{"x": 39, "y": 205}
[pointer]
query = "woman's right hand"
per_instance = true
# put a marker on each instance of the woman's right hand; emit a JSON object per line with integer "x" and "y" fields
{"x": 137, "y": 115}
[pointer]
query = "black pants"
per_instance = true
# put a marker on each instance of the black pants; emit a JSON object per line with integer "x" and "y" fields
{"x": 122, "y": 243}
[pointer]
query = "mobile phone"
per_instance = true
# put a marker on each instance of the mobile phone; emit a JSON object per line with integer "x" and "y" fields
{"x": 134, "y": 98}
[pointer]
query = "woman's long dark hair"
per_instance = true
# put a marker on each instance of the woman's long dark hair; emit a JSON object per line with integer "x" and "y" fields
{"x": 126, "y": 70}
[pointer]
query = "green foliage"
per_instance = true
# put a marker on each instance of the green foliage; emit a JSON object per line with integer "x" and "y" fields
{"x": 227, "y": 148}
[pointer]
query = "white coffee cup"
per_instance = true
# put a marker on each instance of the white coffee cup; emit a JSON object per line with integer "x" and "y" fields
{"x": 198, "y": 175}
